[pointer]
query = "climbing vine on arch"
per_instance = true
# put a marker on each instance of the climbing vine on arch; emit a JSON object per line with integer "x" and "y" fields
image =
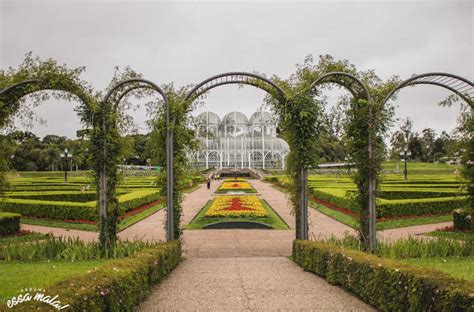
{"x": 34, "y": 82}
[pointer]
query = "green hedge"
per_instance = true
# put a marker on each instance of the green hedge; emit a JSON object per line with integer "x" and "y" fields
{"x": 64, "y": 210}
{"x": 69, "y": 196}
{"x": 416, "y": 193}
{"x": 51, "y": 209}
{"x": 9, "y": 223}
{"x": 442, "y": 205}
{"x": 119, "y": 285}
{"x": 137, "y": 198}
{"x": 385, "y": 284}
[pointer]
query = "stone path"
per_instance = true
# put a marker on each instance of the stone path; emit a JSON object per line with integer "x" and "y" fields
{"x": 247, "y": 284}
{"x": 245, "y": 270}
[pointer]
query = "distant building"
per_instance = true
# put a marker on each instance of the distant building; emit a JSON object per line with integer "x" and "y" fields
{"x": 237, "y": 142}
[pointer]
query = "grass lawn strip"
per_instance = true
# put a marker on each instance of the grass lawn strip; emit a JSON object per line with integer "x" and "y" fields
{"x": 462, "y": 267}
{"x": 16, "y": 239}
{"x": 453, "y": 235}
{"x": 17, "y": 275}
{"x": 122, "y": 225}
{"x": 61, "y": 224}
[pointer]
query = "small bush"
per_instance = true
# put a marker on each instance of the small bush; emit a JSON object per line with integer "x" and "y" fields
{"x": 386, "y": 284}
{"x": 9, "y": 223}
{"x": 462, "y": 219}
{"x": 119, "y": 285}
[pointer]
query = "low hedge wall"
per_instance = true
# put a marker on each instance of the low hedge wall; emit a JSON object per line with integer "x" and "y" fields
{"x": 385, "y": 284}
{"x": 9, "y": 223}
{"x": 116, "y": 286}
{"x": 441, "y": 205}
{"x": 65, "y": 210}
{"x": 137, "y": 198}
{"x": 51, "y": 209}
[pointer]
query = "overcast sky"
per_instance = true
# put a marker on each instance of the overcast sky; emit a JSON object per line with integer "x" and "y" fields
{"x": 186, "y": 42}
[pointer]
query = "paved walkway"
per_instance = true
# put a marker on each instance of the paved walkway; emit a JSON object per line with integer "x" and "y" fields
{"x": 247, "y": 284}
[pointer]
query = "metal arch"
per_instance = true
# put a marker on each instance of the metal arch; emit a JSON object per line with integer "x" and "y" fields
{"x": 16, "y": 85}
{"x": 169, "y": 147}
{"x": 358, "y": 89}
{"x": 454, "y": 83}
{"x": 331, "y": 78}
{"x": 147, "y": 83}
{"x": 232, "y": 78}
{"x": 41, "y": 88}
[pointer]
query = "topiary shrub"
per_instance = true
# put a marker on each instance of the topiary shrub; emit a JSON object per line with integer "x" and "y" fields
{"x": 462, "y": 219}
{"x": 9, "y": 223}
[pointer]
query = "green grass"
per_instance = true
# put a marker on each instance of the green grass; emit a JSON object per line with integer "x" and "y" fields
{"x": 22, "y": 239}
{"x": 337, "y": 215}
{"x": 273, "y": 219}
{"x": 462, "y": 267}
{"x": 61, "y": 224}
{"x": 453, "y": 235}
{"x": 17, "y": 275}
{"x": 138, "y": 217}
{"x": 400, "y": 223}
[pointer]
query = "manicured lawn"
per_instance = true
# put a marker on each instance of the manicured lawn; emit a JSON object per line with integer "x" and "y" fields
{"x": 453, "y": 235}
{"x": 18, "y": 275}
{"x": 272, "y": 219}
{"x": 337, "y": 215}
{"x": 462, "y": 267}
{"x": 61, "y": 224}
{"x": 122, "y": 225}
{"x": 21, "y": 239}
{"x": 394, "y": 224}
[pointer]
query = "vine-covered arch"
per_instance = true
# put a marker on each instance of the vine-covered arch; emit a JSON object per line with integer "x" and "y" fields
{"x": 111, "y": 104}
{"x": 250, "y": 79}
{"x": 359, "y": 91}
{"x": 11, "y": 95}
{"x": 464, "y": 89}
{"x": 460, "y": 86}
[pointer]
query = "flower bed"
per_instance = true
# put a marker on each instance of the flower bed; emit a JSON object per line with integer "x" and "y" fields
{"x": 235, "y": 185}
{"x": 236, "y": 206}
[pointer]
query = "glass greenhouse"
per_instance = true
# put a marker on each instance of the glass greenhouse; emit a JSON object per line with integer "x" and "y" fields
{"x": 239, "y": 142}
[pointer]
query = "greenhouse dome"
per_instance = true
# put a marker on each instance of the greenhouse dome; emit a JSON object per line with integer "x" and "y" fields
{"x": 239, "y": 142}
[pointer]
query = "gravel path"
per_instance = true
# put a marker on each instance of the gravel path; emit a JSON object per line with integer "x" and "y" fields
{"x": 247, "y": 284}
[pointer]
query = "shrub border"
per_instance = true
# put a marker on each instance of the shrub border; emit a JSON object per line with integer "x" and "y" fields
{"x": 118, "y": 285}
{"x": 386, "y": 284}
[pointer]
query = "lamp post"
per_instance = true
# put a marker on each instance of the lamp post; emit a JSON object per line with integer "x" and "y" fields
{"x": 66, "y": 156}
{"x": 405, "y": 154}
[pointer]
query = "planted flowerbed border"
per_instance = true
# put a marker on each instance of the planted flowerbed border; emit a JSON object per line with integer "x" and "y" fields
{"x": 231, "y": 185}
{"x": 266, "y": 215}
{"x": 386, "y": 284}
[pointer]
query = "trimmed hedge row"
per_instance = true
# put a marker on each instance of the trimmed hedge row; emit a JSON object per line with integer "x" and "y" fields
{"x": 64, "y": 210}
{"x": 119, "y": 285}
{"x": 415, "y": 193}
{"x": 51, "y": 209}
{"x": 9, "y": 223}
{"x": 442, "y": 205}
{"x": 385, "y": 284}
{"x": 70, "y": 196}
{"x": 137, "y": 198}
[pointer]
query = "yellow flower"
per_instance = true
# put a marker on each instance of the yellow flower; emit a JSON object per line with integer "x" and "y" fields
{"x": 236, "y": 206}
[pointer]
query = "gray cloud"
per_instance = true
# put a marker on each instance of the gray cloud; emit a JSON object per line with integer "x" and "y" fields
{"x": 186, "y": 42}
